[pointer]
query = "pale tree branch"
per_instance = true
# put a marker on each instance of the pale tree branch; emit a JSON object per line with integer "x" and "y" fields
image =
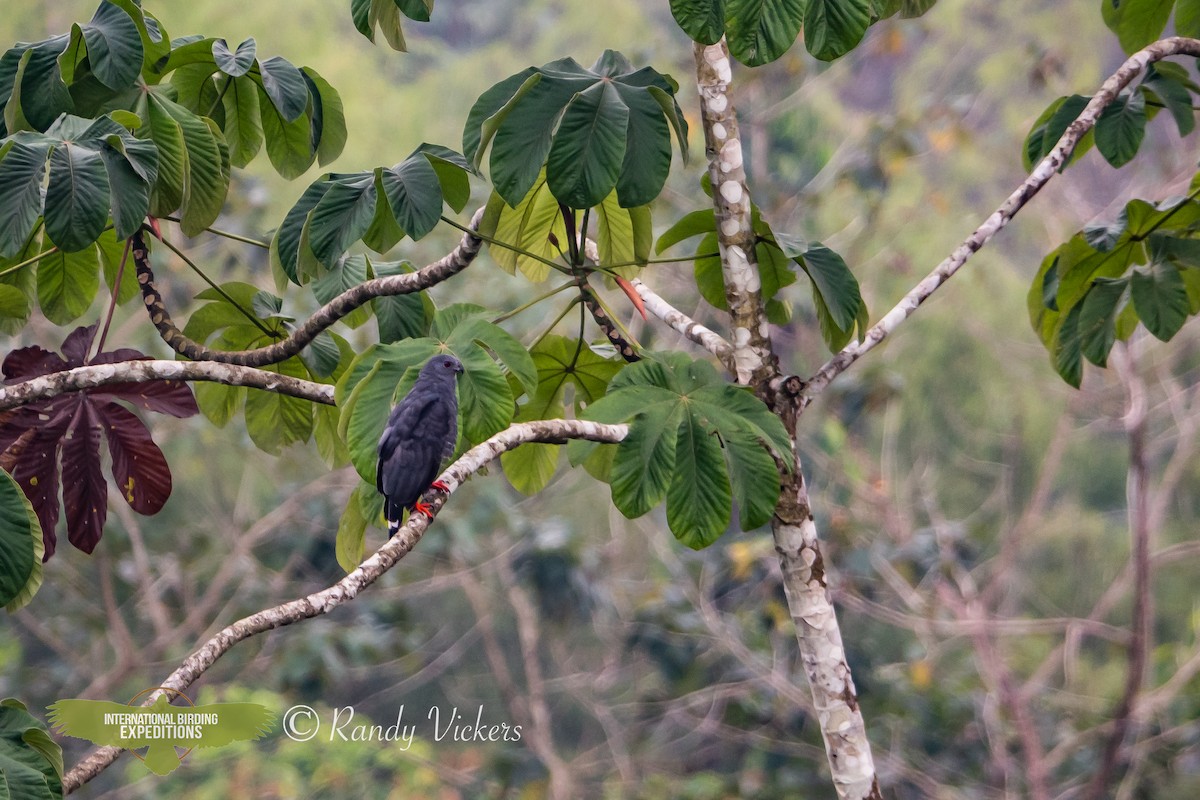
{"x": 753, "y": 361}
{"x": 349, "y": 587}
{"x": 1042, "y": 173}
{"x": 449, "y": 265}
{"x": 126, "y": 372}
{"x": 685, "y": 325}
{"x": 819, "y": 635}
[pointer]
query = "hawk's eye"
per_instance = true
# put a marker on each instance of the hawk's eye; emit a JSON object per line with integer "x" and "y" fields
{"x": 447, "y": 364}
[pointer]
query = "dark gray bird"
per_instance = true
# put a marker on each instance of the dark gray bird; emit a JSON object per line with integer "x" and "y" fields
{"x": 420, "y": 433}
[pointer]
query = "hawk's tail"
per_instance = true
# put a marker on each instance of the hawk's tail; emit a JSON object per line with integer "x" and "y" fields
{"x": 394, "y": 513}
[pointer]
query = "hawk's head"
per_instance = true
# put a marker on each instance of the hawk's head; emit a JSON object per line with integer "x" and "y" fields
{"x": 443, "y": 366}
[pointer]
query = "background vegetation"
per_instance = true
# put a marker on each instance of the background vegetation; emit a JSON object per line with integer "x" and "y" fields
{"x": 956, "y": 455}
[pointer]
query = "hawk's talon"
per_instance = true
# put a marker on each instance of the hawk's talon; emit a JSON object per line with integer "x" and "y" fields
{"x": 440, "y": 486}
{"x": 423, "y": 508}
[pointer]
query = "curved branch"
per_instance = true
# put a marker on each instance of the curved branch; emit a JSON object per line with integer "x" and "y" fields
{"x": 124, "y": 372}
{"x": 451, "y": 264}
{"x": 1041, "y": 174}
{"x": 685, "y": 325}
{"x": 322, "y": 602}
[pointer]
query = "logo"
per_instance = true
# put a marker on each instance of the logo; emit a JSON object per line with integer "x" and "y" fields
{"x": 161, "y": 727}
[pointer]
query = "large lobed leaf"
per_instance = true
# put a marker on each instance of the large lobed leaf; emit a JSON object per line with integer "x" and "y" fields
{"x": 21, "y": 546}
{"x": 378, "y": 206}
{"x": 594, "y": 131}
{"x": 62, "y": 434}
{"x": 383, "y": 16}
{"x": 238, "y": 316}
{"x": 1121, "y": 128}
{"x": 31, "y": 762}
{"x": 67, "y": 103}
{"x": 567, "y": 370}
{"x": 694, "y": 440}
{"x": 760, "y": 31}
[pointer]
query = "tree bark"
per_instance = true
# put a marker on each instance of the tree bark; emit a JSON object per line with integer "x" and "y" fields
{"x": 755, "y": 364}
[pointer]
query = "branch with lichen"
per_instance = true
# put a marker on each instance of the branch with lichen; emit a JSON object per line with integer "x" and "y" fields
{"x": 754, "y": 363}
{"x": 369, "y": 571}
{"x": 449, "y": 265}
{"x": 1046, "y": 169}
{"x": 683, "y": 324}
{"x": 127, "y": 372}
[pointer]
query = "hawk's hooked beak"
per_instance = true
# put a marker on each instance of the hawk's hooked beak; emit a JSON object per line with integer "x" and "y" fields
{"x": 459, "y": 369}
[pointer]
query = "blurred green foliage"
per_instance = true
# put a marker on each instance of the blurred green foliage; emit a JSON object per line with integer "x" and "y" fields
{"x": 922, "y": 462}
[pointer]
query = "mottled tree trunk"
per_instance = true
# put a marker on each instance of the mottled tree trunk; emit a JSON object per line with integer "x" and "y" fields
{"x": 755, "y": 364}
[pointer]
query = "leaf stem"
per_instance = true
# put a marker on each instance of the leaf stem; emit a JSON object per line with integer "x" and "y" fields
{"x": 257, "y": 322}
{"x": 112, "y": 305}
{"x": 579, "y": 342}
{"x": 617, "y": 264}
{"x": 506, "y": 246}
{"x": 552, "y": 325}
{"x": 237, "y": 237}
{"x": 30, "y": 260}
{"x": 220, "y": 95}
{"x": 533, "y": 302}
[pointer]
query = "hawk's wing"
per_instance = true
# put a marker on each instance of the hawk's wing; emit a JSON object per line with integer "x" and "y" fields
{"x": 412, "y": 447}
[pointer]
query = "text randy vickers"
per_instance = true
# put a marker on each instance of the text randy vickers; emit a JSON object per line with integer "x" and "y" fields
{"x": 452, "y": 726}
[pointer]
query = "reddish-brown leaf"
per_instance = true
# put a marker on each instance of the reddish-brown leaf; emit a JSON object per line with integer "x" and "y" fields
{"x": 32, "y": 460}
{"x": 138, "y": 466}
{"x": 75, "y": 347}
{"x": 84, "y": 494}
{"x": 29, "y": 362}
{"x": 174, "y": 398}
{"x": 632, "y": 294}
{"x": 63, "y": 432}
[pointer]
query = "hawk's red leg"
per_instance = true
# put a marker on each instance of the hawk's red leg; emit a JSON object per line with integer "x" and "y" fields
{"x": 440, "y": 486}
{"x": 423, "y": 508}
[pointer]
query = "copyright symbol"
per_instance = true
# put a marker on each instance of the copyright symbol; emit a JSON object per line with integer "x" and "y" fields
{"x": 301, "y": 723}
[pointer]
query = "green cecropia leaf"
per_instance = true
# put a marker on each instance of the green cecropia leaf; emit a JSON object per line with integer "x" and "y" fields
{"x": 1094, "y": 289}
{"x": 567, "y": 370}
{"x": 90, "y": 167}
{"x": 695, "y": 440}
{"x": 760, "y": 31}
{"x": 21, "y": 542}
{"x": 31, "y": 762}
{"x": 839, "y": 304}
{"x": 594, "y": 130}
{"x": 383, "y": 16}
{"x": 378, "y": 207}
{"x": 230, "y": 319}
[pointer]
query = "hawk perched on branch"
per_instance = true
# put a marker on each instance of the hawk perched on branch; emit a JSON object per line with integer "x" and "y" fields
{"x": 420, "y": 433}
